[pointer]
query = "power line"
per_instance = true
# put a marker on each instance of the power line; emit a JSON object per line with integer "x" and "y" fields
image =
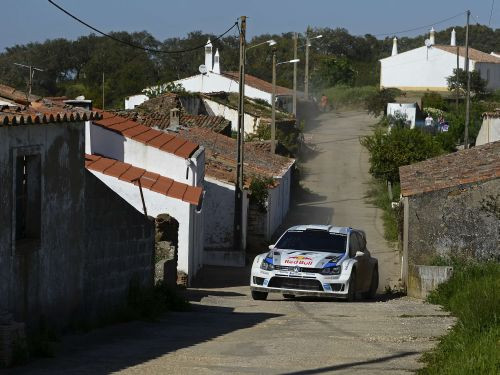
{"x": 491, "y": 11}
{"x": 421, "y": 27}
{"x": 152, "y": 50}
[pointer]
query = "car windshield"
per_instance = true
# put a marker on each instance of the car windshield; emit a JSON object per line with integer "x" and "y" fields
{"x": 313, "y": 240}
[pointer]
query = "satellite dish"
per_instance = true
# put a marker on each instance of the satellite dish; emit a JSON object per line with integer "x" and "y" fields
{"x": 428, "y": 43}
{"x": 203, "y": 69}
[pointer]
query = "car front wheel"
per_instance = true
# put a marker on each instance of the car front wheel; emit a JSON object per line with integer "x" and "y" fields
{"x": 373, "y": 285}
{"x": 351, "y": 293}
{"x": 259, "y": 296}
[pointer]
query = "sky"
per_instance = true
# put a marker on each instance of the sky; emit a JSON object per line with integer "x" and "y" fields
{"x": 26, "y": 21}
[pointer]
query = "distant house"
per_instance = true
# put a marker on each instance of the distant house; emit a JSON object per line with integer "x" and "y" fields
{"x": 214, "y": 80}
{"x": 410, "y": 111}
{"x": 490, "y": 129}
{"x": 69, "y": 246}
{"x": 427, "y": 67}
{"x": 449, "y": 206}
{"x": 261, "y": 219}
{"x": 171, "y": 169}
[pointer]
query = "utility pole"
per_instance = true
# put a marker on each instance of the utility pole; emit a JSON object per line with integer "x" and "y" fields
{"x": 273, "y": 106}
{"x": 103, "y": 90}
{"x": 238, "y": 193}
{"x": 457, "y": 89}
{"x": 32, "y": 70}
{"x": 467, "y": 97}
{"x": 295, "y": 37}
{"x": 306, "y": 76}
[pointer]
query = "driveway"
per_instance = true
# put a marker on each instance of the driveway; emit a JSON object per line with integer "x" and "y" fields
{"x": 229, "y": 333}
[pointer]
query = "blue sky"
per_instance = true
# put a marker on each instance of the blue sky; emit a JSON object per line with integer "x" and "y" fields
{"x": 36, "y": 20}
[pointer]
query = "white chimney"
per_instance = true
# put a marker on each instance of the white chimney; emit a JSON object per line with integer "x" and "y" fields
{"x": 208, "y": 56}
{"x": 432, "y": 38}
{"x": 216, "y": 62}
{"x": 394, "y": 46}
{"x": 453, "y": 38}
{"x": 174, "y": 119}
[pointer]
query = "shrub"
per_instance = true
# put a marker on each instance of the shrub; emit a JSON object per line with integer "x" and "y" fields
{"x": 349, "y": 97}
{"x": 433, "y": 100}
{"x": 376, "y": 104}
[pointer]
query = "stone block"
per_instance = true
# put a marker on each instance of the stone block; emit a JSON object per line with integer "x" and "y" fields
{"x": 424, "y": 279}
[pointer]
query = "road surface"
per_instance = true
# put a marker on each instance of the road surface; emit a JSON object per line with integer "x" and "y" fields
{"x": 229, "y": 333}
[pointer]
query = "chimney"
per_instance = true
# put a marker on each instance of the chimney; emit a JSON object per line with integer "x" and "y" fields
{"x": 216, "y": 62}
{"x": 394, "y": 46}
{"x": 174, "y": 119}
{"x": 208, "y": 56}
{"x": 432, "y": 38}
{"x": 453, "y": 38}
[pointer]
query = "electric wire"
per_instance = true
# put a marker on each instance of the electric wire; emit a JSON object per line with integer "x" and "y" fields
{"x": 421, "y": 27}
{"x": 147, "y": 49}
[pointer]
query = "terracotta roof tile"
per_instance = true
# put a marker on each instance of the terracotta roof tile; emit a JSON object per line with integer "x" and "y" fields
{"x": 259, "y": 83}
{"x": 474, "y": 54}
{"x": 149, "y": 180}
{"x": 145, "y": 134}
{"x": 187, "y": 149}
{"x": 476, "y": 164}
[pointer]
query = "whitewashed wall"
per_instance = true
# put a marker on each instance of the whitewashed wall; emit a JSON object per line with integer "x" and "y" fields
{"x": 407, "y": 109}
{"x": 113, "y": 145}
{"x": 190, "y": 234}
{"x": 278, "y": 203}
{"x": 132, "y": 101}
{"x": 417, "y": 70}
{"x": 217, "y": 109}
{"x": 489, "y": 132}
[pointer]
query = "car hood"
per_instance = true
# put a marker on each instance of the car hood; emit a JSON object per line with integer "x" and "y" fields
{"x": 306, "y": 259}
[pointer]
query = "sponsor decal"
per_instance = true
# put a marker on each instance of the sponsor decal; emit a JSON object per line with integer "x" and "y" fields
{"x": 299, "y": 260}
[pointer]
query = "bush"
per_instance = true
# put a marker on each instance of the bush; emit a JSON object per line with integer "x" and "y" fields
{"x": 472, "y": 295}
{"x": 401, "y": 146}
{"x": 349, "y": 97}
{"x": 376, "y": 104}
{"x": 378, "y": 196}
{"x": 433, "y": 100}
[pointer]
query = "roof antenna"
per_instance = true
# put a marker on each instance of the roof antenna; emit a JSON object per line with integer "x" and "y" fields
{"x": 32, "y": 70}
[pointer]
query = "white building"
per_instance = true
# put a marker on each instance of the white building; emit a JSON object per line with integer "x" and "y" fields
{"x": 427, "y": 67}
{"x": 214, "y": 80}
{"x": 409, "y": 110}
{"x": 490, "y": 129}
{"x": 171, "y": 171}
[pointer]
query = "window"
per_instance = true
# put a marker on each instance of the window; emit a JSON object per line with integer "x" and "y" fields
{"x": 313, "y": 240}
{"x": 27, "y": 193}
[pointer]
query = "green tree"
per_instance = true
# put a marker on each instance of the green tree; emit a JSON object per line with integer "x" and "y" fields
{"x": 376, "y": 104}
{"x": 402, "y": 146}
{"x": 333, "y": 71}
{"x": 477, "y": 84}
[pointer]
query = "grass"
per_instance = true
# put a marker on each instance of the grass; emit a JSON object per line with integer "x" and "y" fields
{"x": 378, "y": 196}
{"x": 473, "y": 345}
{"x": 345, "y": 97}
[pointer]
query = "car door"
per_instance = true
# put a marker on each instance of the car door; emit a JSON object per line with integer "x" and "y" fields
{"x": 364, "y": 274}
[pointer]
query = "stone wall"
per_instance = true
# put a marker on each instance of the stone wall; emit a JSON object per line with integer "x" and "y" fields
{"x": 454, "y": 221}
{"x": 119, "y": 247}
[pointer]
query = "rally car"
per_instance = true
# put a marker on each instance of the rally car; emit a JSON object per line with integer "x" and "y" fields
{"x": 316, "y": 260}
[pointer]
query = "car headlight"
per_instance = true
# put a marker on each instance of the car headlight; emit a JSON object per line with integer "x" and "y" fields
{"x": 335, "y": 270}
{"x": 266, "y": 266}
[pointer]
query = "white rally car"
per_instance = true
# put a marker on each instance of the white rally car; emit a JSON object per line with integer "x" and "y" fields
{"x": 316, "y": 260}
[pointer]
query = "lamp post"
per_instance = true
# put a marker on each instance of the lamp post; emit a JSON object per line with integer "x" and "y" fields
{"x": 294, "y": 105}
{"x": 306, "y": 77}
{"x": 273, "y": 99}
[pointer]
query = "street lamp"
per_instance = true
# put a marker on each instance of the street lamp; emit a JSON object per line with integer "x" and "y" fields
{"x": 306, "y": 78}
{"x": 273, "y": 99}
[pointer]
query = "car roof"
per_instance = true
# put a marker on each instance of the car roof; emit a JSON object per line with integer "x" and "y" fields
{"x": 326, "y": 228}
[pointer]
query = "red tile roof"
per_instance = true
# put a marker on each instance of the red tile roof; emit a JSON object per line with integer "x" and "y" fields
{"x": 259, "y": 83}
{"x": 477, "y": 164}
{"x": 474, "y": 54}
{"x": 144, "y": 134}
{"x": 149, "y": 180}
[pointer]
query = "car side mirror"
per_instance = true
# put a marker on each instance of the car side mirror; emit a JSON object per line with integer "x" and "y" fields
{"x": 271, "y": 247}
{"x": 359, "y": 254}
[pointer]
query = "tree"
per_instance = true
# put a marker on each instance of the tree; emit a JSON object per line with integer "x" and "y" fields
{"x": 377, "y": 103}
{"x": 333, "y": 71}
{"x": 402, "y": 146}
{"x": 477, "y": 84}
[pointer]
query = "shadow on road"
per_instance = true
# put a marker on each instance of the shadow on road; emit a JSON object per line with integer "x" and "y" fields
{"x": 122, "y": 346}
{"x": 221, "y": 277}
{"x": 344, "y": 366}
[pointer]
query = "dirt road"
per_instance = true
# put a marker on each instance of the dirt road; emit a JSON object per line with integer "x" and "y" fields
{"x": 229, "y": 333}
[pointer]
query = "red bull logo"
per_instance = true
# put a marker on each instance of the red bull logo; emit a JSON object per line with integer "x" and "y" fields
{"x": 299, "y": 260}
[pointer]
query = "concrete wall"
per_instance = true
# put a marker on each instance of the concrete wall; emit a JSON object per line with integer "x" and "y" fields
{"x": 119, "y": 248}
{"x": 424, "y": 279}
{"x": 453, "y": 222}
{"x": 420, "y": 69}
{"x": 489, "y": 132}
{"x": 190, "y": 221}
{"x": 216, "y": 109}
{"x": 44, "y": 277}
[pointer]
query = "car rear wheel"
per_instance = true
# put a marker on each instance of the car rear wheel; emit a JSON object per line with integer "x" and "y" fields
{"x": 288, "y": 296}
{"x": 372, "y": 292}
{"x": 351, "y": 293}
{"x": 259, "y": 296}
